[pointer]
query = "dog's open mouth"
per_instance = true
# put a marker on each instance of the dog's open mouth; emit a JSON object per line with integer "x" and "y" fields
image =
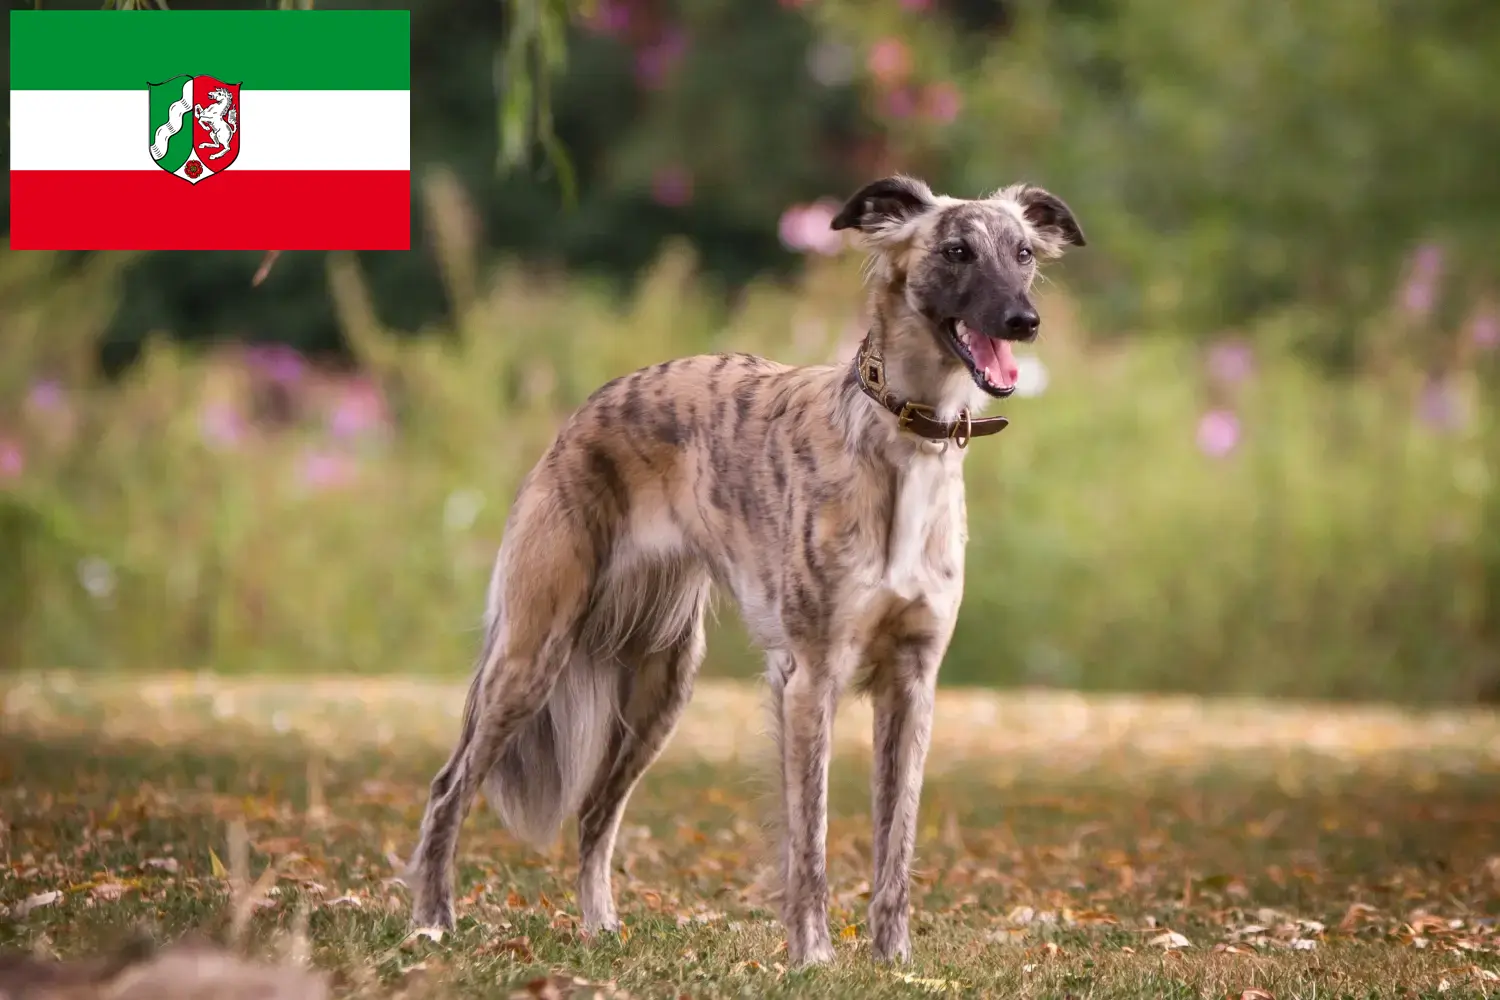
{"x": 989, "y": 359}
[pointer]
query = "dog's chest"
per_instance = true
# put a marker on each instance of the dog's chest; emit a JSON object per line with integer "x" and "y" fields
{"x": 925, "y": 543}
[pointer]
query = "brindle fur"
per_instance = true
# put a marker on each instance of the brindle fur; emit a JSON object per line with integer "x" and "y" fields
{"x": 840, "y": 537}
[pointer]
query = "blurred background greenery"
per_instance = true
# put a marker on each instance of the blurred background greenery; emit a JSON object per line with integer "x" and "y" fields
{"x": 1256, "y": 452}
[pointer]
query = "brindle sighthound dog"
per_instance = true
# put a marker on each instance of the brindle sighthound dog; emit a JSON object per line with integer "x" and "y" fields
{"x": 829, "y": 500}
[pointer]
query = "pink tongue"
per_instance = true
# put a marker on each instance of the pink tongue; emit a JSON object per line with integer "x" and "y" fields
{"x": 997, "y": 361}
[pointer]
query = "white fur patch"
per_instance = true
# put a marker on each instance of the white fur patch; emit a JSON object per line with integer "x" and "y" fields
{"x": 921, "y": 497}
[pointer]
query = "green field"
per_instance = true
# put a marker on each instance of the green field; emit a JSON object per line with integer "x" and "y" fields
{"x": 1071, "y": 846}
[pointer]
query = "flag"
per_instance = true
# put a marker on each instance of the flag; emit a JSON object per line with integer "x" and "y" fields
{"x": 210, "y": 130}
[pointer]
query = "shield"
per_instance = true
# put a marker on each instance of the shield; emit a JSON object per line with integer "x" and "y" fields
{"x": 195, "y": 126}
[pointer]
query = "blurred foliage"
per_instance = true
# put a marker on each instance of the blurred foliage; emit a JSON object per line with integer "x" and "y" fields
{"x": 1159, "y": 517}
{"x": 1232, "y": 162}
{"x": 1307, "y": 186}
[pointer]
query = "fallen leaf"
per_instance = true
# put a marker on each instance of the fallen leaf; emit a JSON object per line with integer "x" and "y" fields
{"x": 520, "y": 947}
{"x": 1226, "y": 948}
{"x": 165, "y": 864}
{"x": 931, "y": 985}
{"x": 109, "y": 891}
{"x": 216, "y": 866}
{"x": 1094, "y": 917}
{"x": 34, "y": 902}
{"x": 1354, "y": 916}
{"x": 1169, "y": 941}
{"x": 1256, "y": 993}
{"x": 849, "y": 933}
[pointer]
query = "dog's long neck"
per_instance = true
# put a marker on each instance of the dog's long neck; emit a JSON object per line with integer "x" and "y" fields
{"x": 918, "y": 369}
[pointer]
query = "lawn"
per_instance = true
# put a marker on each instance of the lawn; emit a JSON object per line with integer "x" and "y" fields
{"x": 1070, "y": 847}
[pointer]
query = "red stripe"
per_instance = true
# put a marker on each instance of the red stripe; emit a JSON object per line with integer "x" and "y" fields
{"x": 236, "y": 210}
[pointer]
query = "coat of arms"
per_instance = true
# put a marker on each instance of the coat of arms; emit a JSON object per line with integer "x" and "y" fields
{"x": 195, "y": 126}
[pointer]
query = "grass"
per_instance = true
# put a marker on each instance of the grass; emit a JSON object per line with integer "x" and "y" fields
{"x": 1071, "y": 846}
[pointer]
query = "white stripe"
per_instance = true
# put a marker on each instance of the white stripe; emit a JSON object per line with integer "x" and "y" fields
{"x": 283, "y": 130}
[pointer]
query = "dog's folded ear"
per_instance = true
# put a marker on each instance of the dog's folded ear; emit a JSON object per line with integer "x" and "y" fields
{"x": 885, "y": 203}
{"x": 1049, "y": 216}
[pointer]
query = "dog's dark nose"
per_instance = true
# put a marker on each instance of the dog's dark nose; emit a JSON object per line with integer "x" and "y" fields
{"x": 1021, "y": 323}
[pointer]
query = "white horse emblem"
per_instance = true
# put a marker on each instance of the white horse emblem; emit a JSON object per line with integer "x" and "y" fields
{"x": 220, "y": 119}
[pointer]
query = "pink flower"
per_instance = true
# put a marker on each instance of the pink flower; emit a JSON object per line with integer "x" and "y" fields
{"x": 12, "y": 459}
{"x": 46, "y": 396}
{"x": 610, "y": 17}
{"x": 789, "y": 228}
{"x": 1484, "y": 330}
{"x": 1420, "y": 292}
{"x": 818, "y": 233}
{"x": 1218, "y": 433}
{"x": 359, "y": 410}
{"x": 809, "y": 228}
{"x": 1230, "y": 362}
{"x": 1428, "y": 260}
{"x": 941, "y": 102}
{"x": 323, "y": 470}
{"x": 1440, "y": 407}
{"x": 672, "y": 186}
{"x": 898, "y": 103}
{"x": 654, "y": 63}
{"x": 277, "y": 362}
{"x": 221, "y": 425}
{"x": 889, "y": 61}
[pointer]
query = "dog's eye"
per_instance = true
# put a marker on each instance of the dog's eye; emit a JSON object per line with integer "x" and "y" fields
{"x": 1024, "y": 255}
{"x": 958, "y": 253}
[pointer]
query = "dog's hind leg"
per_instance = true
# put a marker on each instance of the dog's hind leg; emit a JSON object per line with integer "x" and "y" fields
{"x": 530, "y": 641}
{"x": 658, "y": 691}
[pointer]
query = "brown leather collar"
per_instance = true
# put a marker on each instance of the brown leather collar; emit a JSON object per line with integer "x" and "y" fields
{"x": 918, "y": 418}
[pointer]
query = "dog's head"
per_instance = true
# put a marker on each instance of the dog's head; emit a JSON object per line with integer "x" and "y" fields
{"x": 963, "y": 267}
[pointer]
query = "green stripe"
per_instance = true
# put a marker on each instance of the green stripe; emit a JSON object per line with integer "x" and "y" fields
{"x": 180, "y": 146}
{"x": 261, "y": 49}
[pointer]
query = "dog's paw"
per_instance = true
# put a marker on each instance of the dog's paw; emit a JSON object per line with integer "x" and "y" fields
{"x": 890, "y": 940}
{"x": 432, "y": 919}
{"x": 814, "y": 949}
{"x": 601, "y": 926}
{"x": 819, "y": 954}
{"x": 895, "y": 951}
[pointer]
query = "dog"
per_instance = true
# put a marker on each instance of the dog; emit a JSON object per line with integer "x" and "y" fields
{"x": 827, "y": 500}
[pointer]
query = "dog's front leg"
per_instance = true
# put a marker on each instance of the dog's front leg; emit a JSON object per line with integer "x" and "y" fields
{"x": 903, "y": 728}
{"x": 805, "y": 696}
